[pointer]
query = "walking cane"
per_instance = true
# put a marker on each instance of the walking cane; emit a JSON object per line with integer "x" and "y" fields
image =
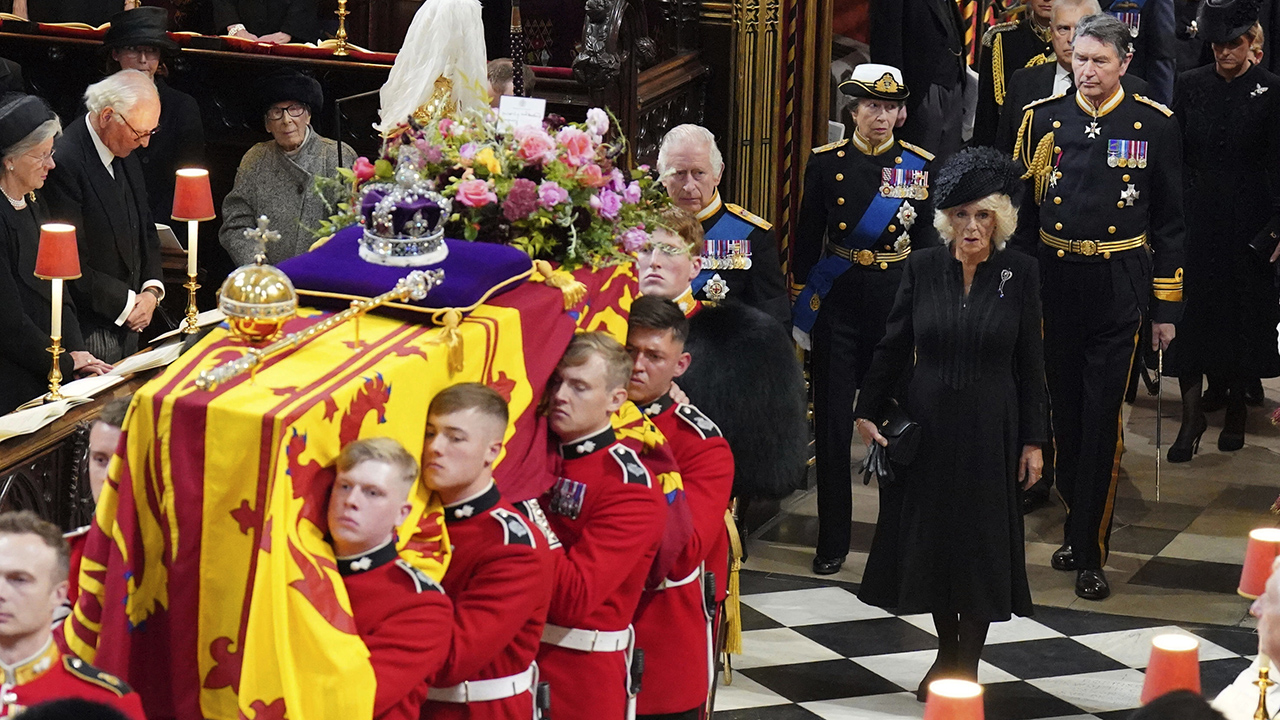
{"x": 1159, "y": 414}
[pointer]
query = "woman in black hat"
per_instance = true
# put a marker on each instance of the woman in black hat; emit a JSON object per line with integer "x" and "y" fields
{"x": 276, "y": 178}
{"x": 27, "y": 130}
{"x": 1230, "y": 117}
{"x": 966, "y": 325}
{"x": 138, "y": 40}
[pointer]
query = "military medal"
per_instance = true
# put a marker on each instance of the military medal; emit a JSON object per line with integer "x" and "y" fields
{"x": 567, "y": 497}
{"x": 906, "y": 215}
{"x": 902, "y": 243}
{"x": 1130, "y": 14}
{"x": 1092, "y": 129}
{"x": 1127, "y": 153}
{"x": 897, "y": 183}
{"x": 727, "y": 255}
{"x": 716, "y": 288}
{"x": 1129, "y": 194}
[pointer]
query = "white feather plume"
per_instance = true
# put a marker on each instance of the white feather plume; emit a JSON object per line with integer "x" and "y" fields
{"x": 446, "y": 38}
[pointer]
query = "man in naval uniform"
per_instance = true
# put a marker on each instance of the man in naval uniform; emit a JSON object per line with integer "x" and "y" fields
{"x": 1008, "y": 47}
{"x": 401, "y": 613}
{"x": 866, "y": 204}
{"x": 1104, "y": 214}
{"x": 741, "y": 251}
{"x": 1152, "y": 32}
{"x": 33, "y": 584}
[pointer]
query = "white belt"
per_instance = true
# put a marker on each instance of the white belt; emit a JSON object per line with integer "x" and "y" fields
{"x": 587, "y": 640}
{"x": 487, "y": 690}
{"x": 669, "y": 583}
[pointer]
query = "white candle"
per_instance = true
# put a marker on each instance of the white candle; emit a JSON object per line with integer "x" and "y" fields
{"x": 192, "y": 243}
{"x": 55, "y": 320}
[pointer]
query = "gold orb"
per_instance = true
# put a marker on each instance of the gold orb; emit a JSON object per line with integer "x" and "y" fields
{"x": 257, "y": 300}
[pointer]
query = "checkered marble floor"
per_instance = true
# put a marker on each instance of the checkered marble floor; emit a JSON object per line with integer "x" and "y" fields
{"x": 813, "y": 650}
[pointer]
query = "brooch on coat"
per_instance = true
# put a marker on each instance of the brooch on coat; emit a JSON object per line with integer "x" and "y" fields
{"x": 1259, "y": 90}
{"x": 1005, "y": 276}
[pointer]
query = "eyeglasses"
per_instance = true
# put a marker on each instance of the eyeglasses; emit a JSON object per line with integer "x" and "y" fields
{"x": 143, "y": 52}
{"x": 136, "y": 134}
{"x": 294, "y": 110}
{"x": 42, "y": 158}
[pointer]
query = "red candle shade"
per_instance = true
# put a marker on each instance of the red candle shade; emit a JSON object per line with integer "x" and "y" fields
{"x": 1264, "y": 546}
{"x": 192, "y": 199}
{"x": 954, "y": 700}
{"x": 57, "y": 257}
{"x": 1174, "y": 665}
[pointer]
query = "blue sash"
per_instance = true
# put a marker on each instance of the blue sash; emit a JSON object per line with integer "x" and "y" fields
{"x": 825, "y": 273}
{"x": 728, "y": 227}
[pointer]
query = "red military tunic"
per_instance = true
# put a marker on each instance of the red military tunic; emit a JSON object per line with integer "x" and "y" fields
{"x": 76, "y": 539}
{"x": 499, "y": 580}
{"x": 671, "y": 623}
{"x": 609, "y": 515}
{"x": 50, "y": 675}
{"x": 405, "y": 621}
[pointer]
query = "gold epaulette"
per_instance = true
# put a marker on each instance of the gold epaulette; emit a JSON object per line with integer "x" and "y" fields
{"x": 830, "y": 146}
{"x": 1041, "y": 59}
{"x": 91, "y": 674}
{"x": 990, "y": 35}
{"x": 748, "y": 216}
{"x": 1043, "y": 100}
{"x": 1148, "y": 101}
{"x": 917, "y": 150}
{"x": 1168, "y": 289}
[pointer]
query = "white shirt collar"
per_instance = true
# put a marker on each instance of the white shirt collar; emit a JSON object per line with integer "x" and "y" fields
{"x": 104, "y": 154}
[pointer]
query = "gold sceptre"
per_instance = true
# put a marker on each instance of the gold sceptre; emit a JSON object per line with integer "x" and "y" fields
{"x": 414, "y": 286}
{"x": 341, "y": 37}
{"x": 1263, "y": 682}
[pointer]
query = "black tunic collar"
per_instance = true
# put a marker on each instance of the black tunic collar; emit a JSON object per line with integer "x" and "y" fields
{"x": 474, "y": 505}
{"x": 364, "y": 562}
{"x": 583, "y": 447}
{"x": 659, "y": 406}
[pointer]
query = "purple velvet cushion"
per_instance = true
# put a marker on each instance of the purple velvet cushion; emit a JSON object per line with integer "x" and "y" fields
{"x": 473, "y": 272}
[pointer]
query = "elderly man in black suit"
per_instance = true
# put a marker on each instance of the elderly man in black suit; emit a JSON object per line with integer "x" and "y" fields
{"x": 925, "y": 40}
{"x": 99, "y": 188}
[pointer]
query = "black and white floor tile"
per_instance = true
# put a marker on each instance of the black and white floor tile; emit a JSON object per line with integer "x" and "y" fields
{"x": 813, "y": 650}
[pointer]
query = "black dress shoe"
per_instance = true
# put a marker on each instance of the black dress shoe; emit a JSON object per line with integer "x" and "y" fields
{"x": 1064, "y": 558}
{"x": 1092, "y": 585}
{"x": 1187, "y": 444}
{"x": 1033, "y": 501}
{"x": 827, "y": 566}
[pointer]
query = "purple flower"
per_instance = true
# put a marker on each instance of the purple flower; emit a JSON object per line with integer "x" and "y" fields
{"x": 616, "y": 181}
{"x": 606, "y": 203}
{"x": 522, "y": 200}
{"x": 631, "y": 195}
{"x": 634, "y": 239}
{"x": 468, "y": 151}
{"x": 551, "y": 194}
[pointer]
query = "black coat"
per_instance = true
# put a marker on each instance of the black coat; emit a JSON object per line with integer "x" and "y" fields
{"x": 950, "y": 535}
{"x": 1231, "y": 150}
{"x": 922, "y": 38}
{"x": 761, "y": 285}
{"x": 298, "y": 18}
{"x": 178, "y": 143}
{"x": 89, "y": 12}
{"x": 1006, "y": 48}
{"x": 24, "y": 312}
{"x": 114, "y": 258}
{"x": 11, "y": 77}
{"x": 1030, "y": 84}
{"x": 1155, "y": 51}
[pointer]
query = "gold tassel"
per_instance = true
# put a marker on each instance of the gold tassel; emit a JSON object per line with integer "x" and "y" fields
{"x": 732, "y": 603}
{"x": 573, "y": 290}
{"x": 452, "y": 338}
{"x": 1038, "y": 163}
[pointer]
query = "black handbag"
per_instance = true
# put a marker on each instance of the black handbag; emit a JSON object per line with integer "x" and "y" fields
{"x": 903, "y": 435}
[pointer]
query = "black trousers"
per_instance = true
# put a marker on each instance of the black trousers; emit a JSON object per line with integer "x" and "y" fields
{"x": 1092, "y": 314}
{"x": 850, "y": 323}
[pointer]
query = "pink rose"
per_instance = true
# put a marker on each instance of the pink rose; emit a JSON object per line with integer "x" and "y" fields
{"x": 551, "y": 194}
{"x": 607, "y": 204}
{"x": 579, "y": 149}
{"x": 631, "y": 195}
{"x": 475, "y": 193}
{"x": 468, "y": 151}
{"x": 591, "y": 176}
{"x": 634, "y": 239}
{"x": 363, "y": 169}
{"x": 534, "y": 145}
{"x": 445, "y": 124}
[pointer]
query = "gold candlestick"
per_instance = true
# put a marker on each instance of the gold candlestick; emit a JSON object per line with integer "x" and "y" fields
{"x": 1263, "y": 682}
{"x": 190, "y": 327}
{"x": 55, "y": 372}
{"x": 341, "y": 37}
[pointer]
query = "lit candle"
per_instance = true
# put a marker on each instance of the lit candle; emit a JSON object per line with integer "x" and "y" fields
{"x": 55, "y": 320}
{"x": 193, "y": 240}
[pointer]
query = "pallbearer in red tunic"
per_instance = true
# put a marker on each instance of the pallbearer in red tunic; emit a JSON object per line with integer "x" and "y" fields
{"x": 673, "y": 620}
{"x": 609, "y": 513}
{"x": 402, "y": 614}
{"x": 104, "y": 436}
{"x": 500, "y": 570}
{"x": 33, "y": 584}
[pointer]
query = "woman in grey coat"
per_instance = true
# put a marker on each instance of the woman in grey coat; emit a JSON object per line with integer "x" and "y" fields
{"x": 276, "y": 178}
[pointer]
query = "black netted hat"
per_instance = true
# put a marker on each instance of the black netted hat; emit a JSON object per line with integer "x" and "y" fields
{"x": 1222, "y": 21}
{"x": 289, "y": 86}
{"x": 19, "y": 116}
{"x": 974, "y": 173}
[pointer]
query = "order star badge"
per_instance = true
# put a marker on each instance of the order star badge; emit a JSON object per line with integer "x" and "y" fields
{"x": 1092, "y": 130}
{"x": 1129, "y": 194}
